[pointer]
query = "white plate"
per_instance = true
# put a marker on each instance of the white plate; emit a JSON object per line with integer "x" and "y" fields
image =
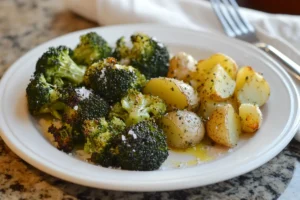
{"x": 281, "y": 117}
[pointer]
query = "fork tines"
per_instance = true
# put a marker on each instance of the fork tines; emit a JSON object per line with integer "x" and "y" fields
{"x": 232, "y": 21}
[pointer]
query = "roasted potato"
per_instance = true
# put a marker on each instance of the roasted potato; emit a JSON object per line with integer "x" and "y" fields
{"x": 182, "y": 65}
{"x": 182, "y": 128}
{"x": 251, "y": 117}
{"x": 224, "y": 126}
{"x": 205, "y": 66}
{"x": 251, "y": 87}
{"x": 176, "y": 94}
{"x": 218, "y": 85}
{"x": 208, "y": 106}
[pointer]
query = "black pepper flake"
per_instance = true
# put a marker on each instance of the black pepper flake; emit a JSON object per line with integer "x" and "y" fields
{"x": 17, "y": 187}
{"x": 45, "y": 196}
{"x": 8, "y": 176}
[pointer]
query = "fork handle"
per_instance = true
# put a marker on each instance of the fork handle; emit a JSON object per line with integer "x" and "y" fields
{"x": 293, "y": 67}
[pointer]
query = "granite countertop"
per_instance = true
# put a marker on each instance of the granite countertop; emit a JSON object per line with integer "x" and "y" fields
{"x": 25, "y": 24}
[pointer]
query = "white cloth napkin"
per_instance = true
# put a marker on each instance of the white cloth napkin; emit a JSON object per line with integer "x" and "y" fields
{"x": 281, "y": 31}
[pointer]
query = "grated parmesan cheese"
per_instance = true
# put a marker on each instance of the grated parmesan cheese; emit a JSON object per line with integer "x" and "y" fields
{"x": 160, "y": 45}
{"x": 131, "y": 132}
{"x": 123, "y": 138}
{"x": 102, "y": 75}
{"x": 83, "y": 93}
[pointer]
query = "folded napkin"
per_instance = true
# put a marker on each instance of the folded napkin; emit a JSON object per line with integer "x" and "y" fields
{"x": 281, "y": 31}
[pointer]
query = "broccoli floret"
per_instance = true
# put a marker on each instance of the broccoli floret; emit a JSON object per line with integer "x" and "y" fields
{"x": 136, "y": 107}
{"x": 91, "y": 48}
{"x": 148, "y": 55}
{"x": 111, "y": 80}
{"x": 63, "y": 137}
{"x": 41, "y": 96}
{"x": 95, "y": 70}
{"x": 116, "y": 125}
{"x": 96, "y": 133}
{"x": 93, "y": 107}
{"x": 99, "y": 133}
{"x": 122, "y": 51}
{"x": 71, "y": 95}
{"x": 58, "y": 67}
{"x": 69, "y": 99}
{"x": 78, "y": 105}
{"x": 69, "y": 115}
{"x": 83, "y": 104}
{"x": 142, "y": 147}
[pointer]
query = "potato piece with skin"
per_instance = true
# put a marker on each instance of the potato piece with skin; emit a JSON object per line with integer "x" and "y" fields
{"x": 218, "y": 86}
{"x": 182, "y": 128}
{"x": 251, "y": 87}
{"x": 176, "y": 94}
{"x": 251, "y": 117}
{"x": 208, "y": 106}
{"x": 182, "y": 65}
{"x": 224, "y": 126}
{"x": 204, "y": 67}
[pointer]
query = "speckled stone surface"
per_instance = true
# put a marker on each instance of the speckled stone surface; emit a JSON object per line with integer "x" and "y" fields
{"x": 25, "y": 24}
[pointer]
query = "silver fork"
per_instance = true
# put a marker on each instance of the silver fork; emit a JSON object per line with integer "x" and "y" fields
{"x": 236, "y": 26}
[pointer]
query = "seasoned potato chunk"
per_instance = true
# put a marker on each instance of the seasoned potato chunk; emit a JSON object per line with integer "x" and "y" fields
{"x": 251, "y": 87}
{"x": 224, "y": 126}
{"x": 205, "y": 66}
{"x": 251, "y": 117}
{"x": 218, "y": 86}
{"x": 182, "y": 65}
{"x": 176, "y": 94}
{"x": 208, "y": 106}
{"x": 182, "y": 128}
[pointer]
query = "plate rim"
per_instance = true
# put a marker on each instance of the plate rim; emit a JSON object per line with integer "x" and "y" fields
{"x": 4, "y": 129}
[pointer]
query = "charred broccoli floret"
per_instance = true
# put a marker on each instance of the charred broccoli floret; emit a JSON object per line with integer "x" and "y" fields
{"x": 41, "y": 96}
{"x": 111, "y": 80}
{"x": 83, "y": 105}
{"x": 63, "y": 137}
{"x": 148, "y": 55}
{"x": 69, "y": 115}
{"x": 58, "y": 67}
{"x": 99, "y": 133}
{"x": 91, "y": 48}
{"x": 69, "y": 99}
{"x": 78, "y": 105}
{"x": 136, "y": 107}
{"x": 141, "y": 147}
{"x": 71, "y": 96}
